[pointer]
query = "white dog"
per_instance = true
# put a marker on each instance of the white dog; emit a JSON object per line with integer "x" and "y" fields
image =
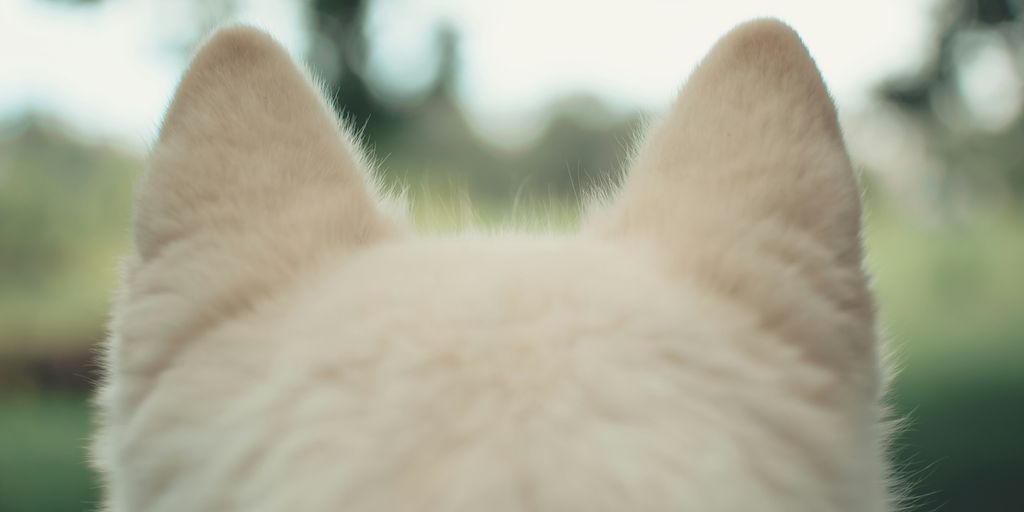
{"x": 706, "y": 343}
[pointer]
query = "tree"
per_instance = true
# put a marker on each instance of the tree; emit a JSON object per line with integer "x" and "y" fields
{"x": 986, "y": 157}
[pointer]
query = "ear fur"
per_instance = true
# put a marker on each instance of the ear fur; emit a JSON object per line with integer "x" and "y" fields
{"x": 250, "y": 150}
{"x": 746, "y": 187}
{"x": 250, "y": 184}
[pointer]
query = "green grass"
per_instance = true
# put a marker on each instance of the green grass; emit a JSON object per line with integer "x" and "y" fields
{"x": 43, "y": 439}
{"x": 951, "y": 296}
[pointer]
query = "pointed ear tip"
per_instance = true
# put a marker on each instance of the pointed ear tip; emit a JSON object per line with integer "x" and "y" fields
{"x": 232, "y": 60}
{"x": 237, "y": 44}
{"x": 766, "y": 26}
{"x": 754, "y": 39}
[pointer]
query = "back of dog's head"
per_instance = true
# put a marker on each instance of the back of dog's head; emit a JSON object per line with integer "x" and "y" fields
{"x": 706, "y": 342}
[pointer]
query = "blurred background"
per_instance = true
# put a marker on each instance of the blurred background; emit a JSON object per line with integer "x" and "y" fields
{"x": 488, "y": 111}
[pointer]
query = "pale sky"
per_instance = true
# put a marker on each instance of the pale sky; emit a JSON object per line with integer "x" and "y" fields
{"x": 102, "y": 70}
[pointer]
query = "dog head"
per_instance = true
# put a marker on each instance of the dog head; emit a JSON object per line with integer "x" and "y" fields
{"x": 706, "y": 342}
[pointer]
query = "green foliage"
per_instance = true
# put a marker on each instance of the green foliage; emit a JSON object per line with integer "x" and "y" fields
{"x": 43, "y": 455}
{"x": 945, "y": 288}
{"x": 64, "y": 210}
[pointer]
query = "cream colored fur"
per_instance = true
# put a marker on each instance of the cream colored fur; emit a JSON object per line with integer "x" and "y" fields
{"x": 705, "y": 344}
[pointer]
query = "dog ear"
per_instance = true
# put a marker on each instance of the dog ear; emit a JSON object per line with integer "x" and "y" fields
{"x": 251, "y": 182}
{"x": 250, "y": 154}
{"x": 746, "y": 187}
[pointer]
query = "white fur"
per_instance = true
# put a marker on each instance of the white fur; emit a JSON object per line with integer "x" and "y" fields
{"x": 707, "y": 343}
